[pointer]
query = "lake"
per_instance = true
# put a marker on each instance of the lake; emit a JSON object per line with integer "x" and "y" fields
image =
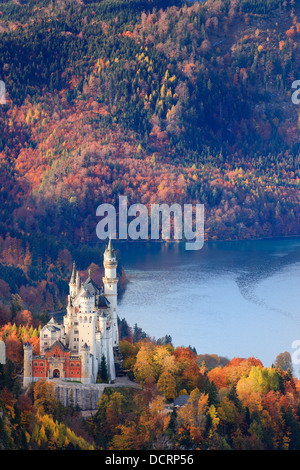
{"x": 234, "y": 299}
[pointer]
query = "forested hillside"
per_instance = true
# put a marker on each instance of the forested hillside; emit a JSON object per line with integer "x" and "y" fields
{"x": 162, "y": 101}
{"x": 237, "y": 404}
{"x": 168, "y": 101}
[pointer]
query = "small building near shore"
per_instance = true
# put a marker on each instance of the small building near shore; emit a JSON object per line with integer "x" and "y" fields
{"x": 181, "y": 400}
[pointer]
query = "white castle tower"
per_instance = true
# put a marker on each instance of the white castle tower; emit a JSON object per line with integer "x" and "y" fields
{"x": 85, "y": 364}
{"x": 110, "y": 282}
{"x": 72, "y": 283}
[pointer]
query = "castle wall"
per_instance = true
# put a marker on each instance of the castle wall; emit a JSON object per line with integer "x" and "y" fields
{"x": 84, "y": 396}
{"x": 87, "y": 330}
{"x": 39, "y": 368}
{"x": 110, "y": 360}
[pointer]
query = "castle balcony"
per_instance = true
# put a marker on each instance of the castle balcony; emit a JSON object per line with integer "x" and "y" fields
{"x": 110, "y": 280}
{"x": 110, "y": 263}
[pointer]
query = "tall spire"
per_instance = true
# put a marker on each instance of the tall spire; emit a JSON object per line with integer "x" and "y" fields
{"x": 77, "y": 281}
{"x": 109, "y": 252}
{"x": 110, "y": 282}
{"x": 72, "y": 280}
{"x": 109, "y": 245}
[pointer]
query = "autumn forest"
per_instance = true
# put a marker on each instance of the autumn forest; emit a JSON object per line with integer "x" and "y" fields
{"x": 236, "y": 404}
{"x": 161, "y": 101}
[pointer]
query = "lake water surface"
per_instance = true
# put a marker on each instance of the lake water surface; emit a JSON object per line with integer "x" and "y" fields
{"x": 234, "y": 299}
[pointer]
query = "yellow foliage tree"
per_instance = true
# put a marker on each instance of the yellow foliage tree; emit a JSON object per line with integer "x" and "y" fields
{"x": 167, "y": 385}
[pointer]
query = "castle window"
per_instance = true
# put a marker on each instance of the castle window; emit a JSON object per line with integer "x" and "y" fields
{"x": 90, "y": 319}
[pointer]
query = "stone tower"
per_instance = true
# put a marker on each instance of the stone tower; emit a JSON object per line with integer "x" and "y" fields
{"x": 85, "y": 364}
{"x": 87, "y": 317}
{"x": 27, "y": 377}
{"x": 110, "y": 282}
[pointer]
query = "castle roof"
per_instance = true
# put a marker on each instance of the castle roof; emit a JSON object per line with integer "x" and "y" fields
{"x": 58, "y": 344}
{"x": 86, "y": 294}
{"x": 102, "y": 301}
{"x": 91, "y": 286}
{"x": 52, "y": 325}
{"x": 72, "y": 280}
{"x": 181, "y": 400}
{"x": 110, "y": 252}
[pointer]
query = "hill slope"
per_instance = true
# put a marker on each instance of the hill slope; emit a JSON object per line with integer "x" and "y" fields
{"x": 164, "y": 101}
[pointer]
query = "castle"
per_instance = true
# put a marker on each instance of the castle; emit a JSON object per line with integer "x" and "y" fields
{"x": 74, "y": 350}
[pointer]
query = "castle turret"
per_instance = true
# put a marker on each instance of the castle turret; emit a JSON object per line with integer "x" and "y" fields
{"x": 27, "y": 377}
{"x": 69, "y": 318}
{"x": 110, "y": 282}
{"x": 87, "y": 316}
{"x": 78, "y": 282}
{"x": 85, "y": 364}
{"x": 102, "y": 323}
{"x": 72, "y": 283}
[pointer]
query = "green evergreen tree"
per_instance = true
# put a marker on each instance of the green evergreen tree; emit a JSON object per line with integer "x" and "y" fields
{"x": 103, "y": 369}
